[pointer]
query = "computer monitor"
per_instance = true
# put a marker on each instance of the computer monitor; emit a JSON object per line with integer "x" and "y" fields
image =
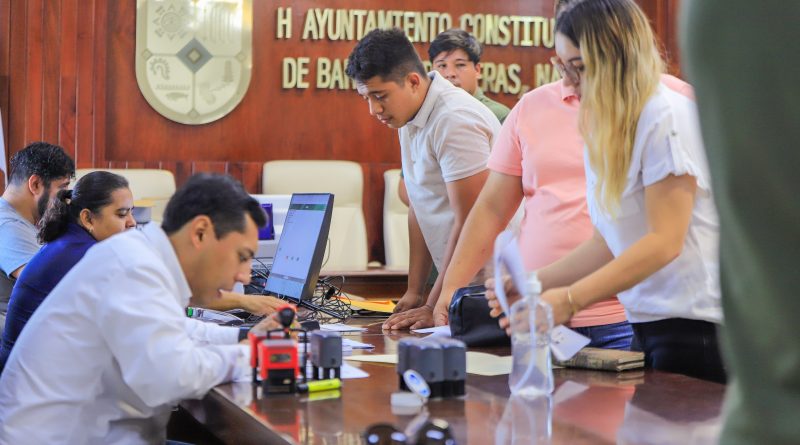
{"x": 301, "y": 247}
{"x": 268, "y": 247}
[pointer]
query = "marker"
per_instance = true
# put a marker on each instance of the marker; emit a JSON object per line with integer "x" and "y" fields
{"x": 319, "y": 385}
{"x": 322, "y": 395}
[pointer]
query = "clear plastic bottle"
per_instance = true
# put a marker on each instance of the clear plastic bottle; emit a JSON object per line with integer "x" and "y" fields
{"x": 531, "y": 326}
{"x": 526, "y": 421}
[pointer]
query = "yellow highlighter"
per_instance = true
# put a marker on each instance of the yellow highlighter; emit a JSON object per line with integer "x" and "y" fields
{"x": 319, "y": 385}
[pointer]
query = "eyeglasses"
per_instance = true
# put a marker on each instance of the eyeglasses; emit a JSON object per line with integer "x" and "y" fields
{"x": 567, "y": 70}
{"x": 432, "y": 432}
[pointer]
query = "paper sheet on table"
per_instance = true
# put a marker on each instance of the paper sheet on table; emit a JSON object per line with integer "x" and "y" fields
{"x": 341, "y": 328}
{"x": 383, "y": 306}
{"x": 352, "y": 344}
{"x": 479, "y": 363}
{"x": 507, "y": 258}
{"x": 437, "y": 331}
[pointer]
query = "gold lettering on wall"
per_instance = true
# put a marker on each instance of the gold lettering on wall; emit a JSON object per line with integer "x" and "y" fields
{"x": 420, "y": 27}
{"x": 284, "y": 25}
{"x": 424, "y": 26}
{"x": 295, "y": 71}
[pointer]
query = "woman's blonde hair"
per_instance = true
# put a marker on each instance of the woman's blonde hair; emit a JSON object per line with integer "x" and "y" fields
{"x": 623, "y": 68}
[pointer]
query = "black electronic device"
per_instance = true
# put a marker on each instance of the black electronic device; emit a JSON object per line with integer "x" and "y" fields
{"x": 286, "y": 316}
{"x": 301, "y": 248}
{"x": 441, "y": 362}
{"x": 326, "y": 355}
{"x": 455, "y": 366}
{"x": 427, "y": 358}
{"x": 402, "y": 359}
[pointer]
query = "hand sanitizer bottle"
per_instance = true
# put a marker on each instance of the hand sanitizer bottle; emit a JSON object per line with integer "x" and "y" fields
{"x": 531, "y": 324}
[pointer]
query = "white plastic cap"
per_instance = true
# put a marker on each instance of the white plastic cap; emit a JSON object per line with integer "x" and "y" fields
{"x": 417, "y": 384}
{"x": 406, "y": 403}
{"x": 534, "y": 285}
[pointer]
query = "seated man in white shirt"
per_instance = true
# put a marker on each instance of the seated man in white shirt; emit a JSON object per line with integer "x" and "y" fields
{"x": 445, "y": 138}
{"x": 110, "y": 351}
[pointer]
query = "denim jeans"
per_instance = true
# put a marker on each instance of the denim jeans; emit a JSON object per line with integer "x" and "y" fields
{"x": 682, "y": 346}
{"x": 608, "y": 336}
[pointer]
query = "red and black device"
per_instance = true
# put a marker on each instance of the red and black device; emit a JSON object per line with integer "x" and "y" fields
{"x": 278, "y": 365}
{"x": 274, "y": 357}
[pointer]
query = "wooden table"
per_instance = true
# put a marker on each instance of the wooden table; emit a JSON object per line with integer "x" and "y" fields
{"x": 587, "y": 407}
{"x": 377, "y": 284}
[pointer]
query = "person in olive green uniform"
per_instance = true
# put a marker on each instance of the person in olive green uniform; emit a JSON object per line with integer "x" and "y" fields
{"x": 742, "y": 60}
{"x": 456, "y": 55}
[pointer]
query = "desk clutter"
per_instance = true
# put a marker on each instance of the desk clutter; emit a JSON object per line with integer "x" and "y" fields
{"x": 296, "y": 360}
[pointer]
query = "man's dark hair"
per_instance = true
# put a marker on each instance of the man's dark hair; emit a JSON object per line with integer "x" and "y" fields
{"x": 44, "y": 160}
{"x": 220, "y": 197}
{"x": 386, "y": 53}
{"x": 453, "y": 39}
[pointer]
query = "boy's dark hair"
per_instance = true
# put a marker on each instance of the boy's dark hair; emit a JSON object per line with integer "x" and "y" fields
{"x": 91, "y": 192}
{"x": 453, "y": 39}
{"x": 386, "y": 53}
{"x": 220, "y": 197}
{"x": 44, "y": 160}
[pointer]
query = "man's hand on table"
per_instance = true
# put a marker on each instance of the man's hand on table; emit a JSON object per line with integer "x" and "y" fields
{"x": 417, "y": 318}
{"x": 409, "y": 300}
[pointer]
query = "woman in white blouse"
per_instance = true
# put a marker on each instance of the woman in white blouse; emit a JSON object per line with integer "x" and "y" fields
{"x": 648, "y": 191}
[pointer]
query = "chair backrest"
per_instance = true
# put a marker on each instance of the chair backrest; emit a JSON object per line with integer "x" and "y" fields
{"x": 395, "y": 223}
{"x": 155, "y": 185}
{"x": 347, "y": 250}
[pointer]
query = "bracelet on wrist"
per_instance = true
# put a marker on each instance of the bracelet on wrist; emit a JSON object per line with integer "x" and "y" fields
{"x": 573, "y": 307}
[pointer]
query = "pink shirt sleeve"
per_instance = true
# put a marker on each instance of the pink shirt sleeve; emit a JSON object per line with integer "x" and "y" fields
{"x": 506, "y": 155}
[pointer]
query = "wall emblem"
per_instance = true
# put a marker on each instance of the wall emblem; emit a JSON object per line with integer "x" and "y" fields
{"x": 194, "y": 57}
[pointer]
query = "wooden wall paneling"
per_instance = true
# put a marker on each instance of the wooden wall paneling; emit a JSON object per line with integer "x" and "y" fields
{"x": 209, "y": 167}
{"x": 183, "y": 170}
{"x": 51, "y": 68}
{"x": 672, "y": 14}
{"x": 248, "y": 173}
{"x": 17, "y": 70}
{"x": 663, "y": 18}
{"x": 5, "y": 54}
{"x": 100, "y": 80}
{"x": 84, "y": 137}
{"x": 34, "y": 70}
{"x": 67, "y": 102}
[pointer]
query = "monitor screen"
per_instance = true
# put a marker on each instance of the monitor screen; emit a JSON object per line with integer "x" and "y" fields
{"x": 301, "y": 247}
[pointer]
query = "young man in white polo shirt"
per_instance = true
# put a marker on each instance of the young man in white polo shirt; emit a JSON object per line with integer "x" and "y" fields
{"x": 445, "y": 138}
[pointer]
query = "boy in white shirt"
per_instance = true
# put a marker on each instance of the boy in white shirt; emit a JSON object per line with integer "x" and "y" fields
{"x": 445, "y": 138}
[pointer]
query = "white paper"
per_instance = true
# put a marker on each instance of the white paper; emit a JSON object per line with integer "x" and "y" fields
{"x": 437, "y": 331}
{"x": 479, "y": 363}
{"x": 351, "y": 372}
{"x": 565, "y": 342}
{"x": 341, "y": 328}
{"x": 352, "y": 344}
